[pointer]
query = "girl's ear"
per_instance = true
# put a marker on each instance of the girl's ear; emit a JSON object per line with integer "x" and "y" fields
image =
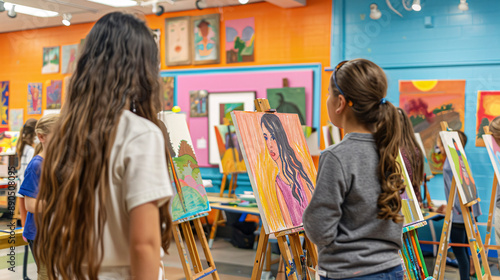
{"x": 341, "y": 105}
{"x": 41, "y": 137}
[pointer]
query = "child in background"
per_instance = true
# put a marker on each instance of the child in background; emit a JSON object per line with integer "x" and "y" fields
{"x": 412, "y": 154}
{"x": 104, "y": 183}
{"x": 495, "y": 132}
{"x": 354, "y": 215}
{"x": 458, "y": 234}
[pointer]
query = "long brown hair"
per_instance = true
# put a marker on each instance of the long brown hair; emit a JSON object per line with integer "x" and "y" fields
{"x": 364, "y": 86}
{"x": 118, "y": 66}
{"x": 412, "y": 149}
{"x": 44, "y": 126}
{"x": 26, "y": 137}
{"x": 495, "y": 128}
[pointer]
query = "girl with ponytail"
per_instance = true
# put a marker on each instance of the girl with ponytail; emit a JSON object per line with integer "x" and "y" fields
{"x": 354, "y": 215}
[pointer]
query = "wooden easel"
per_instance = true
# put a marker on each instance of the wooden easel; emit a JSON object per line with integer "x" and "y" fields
{"x": 489, "y": 224}
{"x": 294, "y": 259}
{"x": 473, "y": 235}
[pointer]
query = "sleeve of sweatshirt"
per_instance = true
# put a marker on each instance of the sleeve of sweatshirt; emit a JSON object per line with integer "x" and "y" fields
{"x": 322, "y": 215}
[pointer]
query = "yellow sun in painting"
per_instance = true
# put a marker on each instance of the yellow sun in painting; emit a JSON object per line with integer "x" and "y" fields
{"x": 491, "y": 105}
{"x": 425, "y": 85}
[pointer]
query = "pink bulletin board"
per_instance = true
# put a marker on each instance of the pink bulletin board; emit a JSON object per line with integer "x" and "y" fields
{"x": 249, "y": 81}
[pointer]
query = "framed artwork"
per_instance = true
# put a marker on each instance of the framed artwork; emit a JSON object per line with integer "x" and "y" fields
{"x": 331, "y": 135}
{"x": 34, "y": 98}
{"x": 488, "y": 108}
{"x": 178, "y": 41}
{"x": 493, "y": 148}
{"x": 206, "y": 39}
{"x": 190, "y": 197}
{"x": 231, "y": 158}
{"x": 268, "y": 142}
{"x": 198, "y": 103}
{"x": 459, "y": 166}
{"x": 409, "y": 202}
{"x": 4, "y": 112}
{"x": 288, "y": 100}
{"x": 16, "y": 119}
{"x": 69, "y": 58}
{"x": 50, "y": 60}
{"x": 167, "y": 97}
{"x": 54, "y": 95}
{"x": 427, "y": 103}
{"x": 220, "y": 106}
{"x": 240, "y": 40}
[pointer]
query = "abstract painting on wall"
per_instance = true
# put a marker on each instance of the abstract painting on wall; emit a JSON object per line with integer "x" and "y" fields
{"x": 4, "y": 111}
{"x": 69, "y": 58}
{"x": 8, "y": 141}
{"x": 190, "y": 198}
{"x": 206, "y": 39}
{"x": 16, "y": 119}
{"x": 167, "y": 97}
{"x": 221, "y": 104}
{"x": 54, "y": 94}
{"x": 198, "y": 103}
{"x": 177, "y": 41}
{"x": 488, "y": 108}
{"x": 409, "y": 202}
{"x": 231, "y": 158}
{"x": 459, "y": 166}
{"x": 494, "y": 153}
{"x": 50, "y": 60}
{"x": 34, "y": 98}
{"x": 428, "y": 103}
{"x": 288, "y": 100}
{"x": 269, "y": 142}
{"x": 240, "y": 40}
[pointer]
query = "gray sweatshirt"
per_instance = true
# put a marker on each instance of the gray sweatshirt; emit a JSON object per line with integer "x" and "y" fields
{"x": 341, "y": 218}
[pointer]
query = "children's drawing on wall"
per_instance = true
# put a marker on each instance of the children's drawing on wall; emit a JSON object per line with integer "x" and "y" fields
{"x": 288, "y": 100}
{"x": 54, "y": 95}
{"x": 229, "y": 150}
{"x": 282, "y": 173}
{"x": 167, "y": 99}
{"x": 198, "y": 101}
{"x": 488, "y": 107}
{"x": 16, "y": 119}
{"x": 69, "y": 58}
{"x": 177, "y": 50}
{"x": 206, "y": 38}
{"x": 193, "y": 198}
{"x": 50, "y": 60}
{"x": 4, "y": 112}
{"x": 459, "y": 166}
{"x": 34, "y": 98}
{"x": 409, "y": 202}
{"x": 428, "y": 103}
{"x": 493, "y": 148}
{"x": 225, "y": 112}
{"x": 8, "y": 141}
{"x": 240, "y": 39}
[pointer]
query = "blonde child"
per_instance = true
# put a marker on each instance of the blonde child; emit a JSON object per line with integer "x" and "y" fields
{"x": 354, "y": 215}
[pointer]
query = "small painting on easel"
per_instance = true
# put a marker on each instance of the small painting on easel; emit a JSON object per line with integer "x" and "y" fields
{"x": 409, "y": 202}
{"x": 279, "y": 166}
{"x": 229, "y": 150}
{"x": 493, "y": 148}
{"x": 459, "y": 166}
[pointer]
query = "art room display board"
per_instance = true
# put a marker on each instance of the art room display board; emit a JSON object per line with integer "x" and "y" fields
{"x": 494, "y": 153}
{"x": 279, "y": 165}
{"x": 258, "y": 82}
{"x": 459, "y": 166}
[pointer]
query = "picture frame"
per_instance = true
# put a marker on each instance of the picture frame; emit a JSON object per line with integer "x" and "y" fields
{"x": 205, "y": 38}
{"x": 215, "y": 99}
{"x": 178, "y": 41}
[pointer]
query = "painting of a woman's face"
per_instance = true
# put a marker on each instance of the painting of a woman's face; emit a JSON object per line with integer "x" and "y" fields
{"x": 178, "y": 42}
{"x": 271, "y": 143}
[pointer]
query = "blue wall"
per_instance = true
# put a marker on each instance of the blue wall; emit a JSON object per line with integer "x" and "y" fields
{"x": 460, "y": 45}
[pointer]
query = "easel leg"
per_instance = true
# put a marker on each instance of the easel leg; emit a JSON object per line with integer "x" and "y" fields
{"x": 213, "y": 231}
{"x": 311, "y": 250}
{"x": 204, "y": 244}
{"x": 223, "y": 184}
{"x": 489, "y": 225}
{"x": 182, "y": 252}
{"x": 191, "y": 245}
{"x": 290, "y": 266}
{"x": 296, "y": 251}
{"x": 260, "y": 255}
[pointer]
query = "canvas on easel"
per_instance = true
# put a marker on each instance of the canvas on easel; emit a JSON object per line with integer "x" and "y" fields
{"x": 231, "y": 158}
{"x": 494, "y": 152}
{"x": 409, "y": 202}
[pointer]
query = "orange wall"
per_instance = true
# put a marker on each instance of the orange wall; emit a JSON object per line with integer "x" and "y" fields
{"x": 283, "y": 36}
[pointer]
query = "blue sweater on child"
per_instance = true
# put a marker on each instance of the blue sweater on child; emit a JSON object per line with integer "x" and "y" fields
{"x": 29, "y": 188}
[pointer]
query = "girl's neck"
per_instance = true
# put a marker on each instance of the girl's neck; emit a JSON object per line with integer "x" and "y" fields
{"x": 354, "y": 126}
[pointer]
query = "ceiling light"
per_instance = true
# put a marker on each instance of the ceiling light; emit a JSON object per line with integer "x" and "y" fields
{"x": 463, "y": 6}
{"x": 242, "y": 2}
{"x": 158, "y": 9}
{"x": 30, "y": 10}
{"x": 2, "y": 6}
{"x": 12, "y": 12}
{"x": 375, "y": 12}
{"x": 116, "y": 3}
{"x": 416, "y": 6}
{"x": 66, "y": 19}
{"x": 200, "y": 4}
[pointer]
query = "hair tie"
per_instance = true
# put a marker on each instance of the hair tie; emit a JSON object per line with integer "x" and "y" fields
{"x": 383, "y": 101}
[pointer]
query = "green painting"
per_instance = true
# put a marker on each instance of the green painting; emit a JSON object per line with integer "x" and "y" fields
{"x": 288, "y": 100}
{"x": 50, "y": 60}
{"x": 225, "y": 112}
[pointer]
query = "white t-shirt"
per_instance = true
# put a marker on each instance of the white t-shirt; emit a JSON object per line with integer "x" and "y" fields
{"x": 28, "y": 153}
{"x": 138, "y": 175}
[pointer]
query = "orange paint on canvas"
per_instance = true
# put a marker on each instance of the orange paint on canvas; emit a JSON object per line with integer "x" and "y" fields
{"x": 488, "y": 108}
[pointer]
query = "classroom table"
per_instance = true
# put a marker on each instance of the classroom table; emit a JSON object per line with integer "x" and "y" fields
{"x": 4, "y": 238}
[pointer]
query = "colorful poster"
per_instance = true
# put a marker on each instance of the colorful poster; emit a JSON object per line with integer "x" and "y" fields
{"x": 409, "y": 202}
{"x": 206, "y": 39}
{"x": 488, "y": 108}
{"x": 493, "y": 148}
{"x": 177, "y": 41}
{"x": 282, "y": 173}
{"x": 459, "y": 166}
{"x": 50, "y": 60}
{"x": 167, "y": 97}
{"x": 288, "y": 100}
{"x": 8, "y": 141}
{"x": 240, "y": 40}
{"x": 198, "y": 100}
{"x": 428, "y": 103}
{"x": 69, "y": 58}
{"x": 4, "y": 111}
{"x": 16, "y": 119}
{"x": 231, "y": 158}
{"x": 54, "y": 95}
{"x": 34, "y": 98}
{"x": 190, "y": 198}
